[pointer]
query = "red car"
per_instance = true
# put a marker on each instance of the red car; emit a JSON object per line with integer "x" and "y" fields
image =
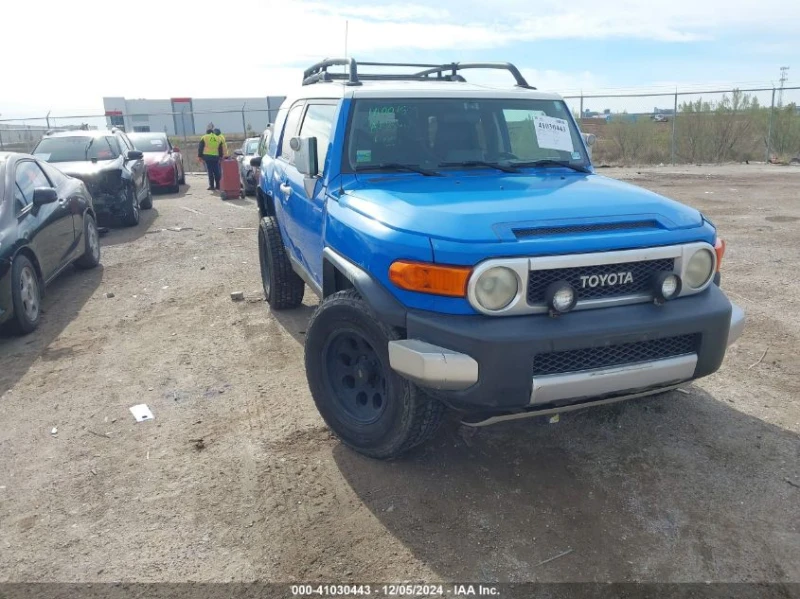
{"x": 164, "y": 161}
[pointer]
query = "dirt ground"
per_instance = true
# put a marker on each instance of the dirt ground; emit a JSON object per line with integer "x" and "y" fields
{"x": 238, "y": 479}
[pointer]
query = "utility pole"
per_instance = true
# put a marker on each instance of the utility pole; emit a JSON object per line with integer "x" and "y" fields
{"x": 784, "y": 78}
{"x": 244, "y": 127}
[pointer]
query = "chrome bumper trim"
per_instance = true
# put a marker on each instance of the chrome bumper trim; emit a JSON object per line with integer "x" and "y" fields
{"x": 432, "y": 366}
{"x": 737, "y": 324}
{"x": 602, "y": 381}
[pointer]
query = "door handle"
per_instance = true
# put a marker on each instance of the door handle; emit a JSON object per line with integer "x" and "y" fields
{"x": 286, "y": 189}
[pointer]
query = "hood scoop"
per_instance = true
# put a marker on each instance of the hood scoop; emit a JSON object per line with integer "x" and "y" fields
{"x": 528, "y": 232}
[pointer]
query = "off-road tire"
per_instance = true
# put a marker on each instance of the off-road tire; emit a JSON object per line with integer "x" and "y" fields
{"x": 21, "y": 322}
{"x": 409, "y": 417}
{"x": 130, "y": 215}
{"x": 283, "y": 289}
{"x": 147, "y": 202}
{"x": 91, "y": 245}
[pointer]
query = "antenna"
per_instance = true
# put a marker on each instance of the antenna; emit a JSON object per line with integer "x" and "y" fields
{"x": 784, "y": 78}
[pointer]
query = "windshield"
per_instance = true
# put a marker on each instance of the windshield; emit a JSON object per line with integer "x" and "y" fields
{"x": 441, "y": 133}
{"x": 76, "y": 149}
{"x": 251, "y": 147}
{"x": 149, "y": 142}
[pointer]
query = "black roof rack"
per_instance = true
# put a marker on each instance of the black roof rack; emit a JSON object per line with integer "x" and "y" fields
{"x": 431, "y": 72}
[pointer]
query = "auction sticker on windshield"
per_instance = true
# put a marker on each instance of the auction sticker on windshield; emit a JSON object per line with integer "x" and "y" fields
{"x": 553, "y": 133}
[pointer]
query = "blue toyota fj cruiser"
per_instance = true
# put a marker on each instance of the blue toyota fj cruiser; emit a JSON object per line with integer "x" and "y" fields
{"x": 467, "y": 255}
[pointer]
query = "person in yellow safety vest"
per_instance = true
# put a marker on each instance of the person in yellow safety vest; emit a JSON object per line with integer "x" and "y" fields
{"x": 210, "y": 150}
{"x": 222, "y": 141}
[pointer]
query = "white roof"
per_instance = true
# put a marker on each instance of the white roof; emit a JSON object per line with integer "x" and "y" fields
{"x": 414, "y": 89}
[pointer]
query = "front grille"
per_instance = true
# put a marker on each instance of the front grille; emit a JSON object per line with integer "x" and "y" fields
{"x": 574, "y": 360}
{"x": 596, "y": 228}
{"x": 640, "y": 280}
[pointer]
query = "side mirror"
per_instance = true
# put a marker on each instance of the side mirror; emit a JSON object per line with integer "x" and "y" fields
{"x": 135, "y": 155}
{"x": 176, "y": 149}
{"x": 305, "y": 155}
{"x": 238, "y": 153}
{"x": 590, "y": 139}
{"x": 255, "y": 161}
{"x": 44, "y": 195}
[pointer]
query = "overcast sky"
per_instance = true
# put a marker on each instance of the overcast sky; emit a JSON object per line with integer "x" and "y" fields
{"x": 64, "y": 62}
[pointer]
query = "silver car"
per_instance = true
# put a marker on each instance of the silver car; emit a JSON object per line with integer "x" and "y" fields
{"x": 248, "y": 175}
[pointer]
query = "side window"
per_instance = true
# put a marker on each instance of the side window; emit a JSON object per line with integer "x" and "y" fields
{"x": 289, "y": 131}
{"x": 27, "y": 178}
{"x": 318, "y": 123}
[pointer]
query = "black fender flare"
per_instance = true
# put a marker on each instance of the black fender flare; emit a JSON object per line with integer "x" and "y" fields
{"x": 383, "y": 303}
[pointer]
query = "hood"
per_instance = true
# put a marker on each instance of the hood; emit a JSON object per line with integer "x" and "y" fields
{"x": 155, "y": 157}
{"x": 82, "y": 168}
{"x": 480, "y": 208}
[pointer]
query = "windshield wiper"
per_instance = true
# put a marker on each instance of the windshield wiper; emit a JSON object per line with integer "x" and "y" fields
{"x": 506, "y": 168}
{"x": 550, "y": 162}
{"x": 86, "y": 151}
{"x": 397, "y": 166}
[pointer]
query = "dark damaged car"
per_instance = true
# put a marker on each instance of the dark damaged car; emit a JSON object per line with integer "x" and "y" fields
{"x": 107, "y": 162}
{"x": 47, "y": 222}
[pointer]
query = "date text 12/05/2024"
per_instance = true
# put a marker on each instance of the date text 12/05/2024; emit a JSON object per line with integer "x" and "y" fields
{"x": 395, "y": 590}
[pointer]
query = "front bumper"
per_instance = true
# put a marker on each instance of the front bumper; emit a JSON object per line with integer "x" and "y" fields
{"x": 487, "y": 363}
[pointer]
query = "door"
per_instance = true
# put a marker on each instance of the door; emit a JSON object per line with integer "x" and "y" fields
{"x": 281, "y": 190}
{"x": 49, "y": 227}
{"x": 307, "y": 212}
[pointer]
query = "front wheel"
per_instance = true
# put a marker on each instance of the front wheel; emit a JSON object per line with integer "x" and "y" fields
{"x": 367, "y": 405}
{"x": 91, "y": 245}
{"x": 147, "y": 202}
{"x": 130, "y": 216}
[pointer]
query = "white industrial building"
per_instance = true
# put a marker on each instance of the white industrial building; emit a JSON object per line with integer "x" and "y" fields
{"x": 189, "y": 116}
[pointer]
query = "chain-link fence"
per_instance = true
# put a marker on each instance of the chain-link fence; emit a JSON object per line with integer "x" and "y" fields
{"x": 681, "y": 127}
{"x": 183, "y": 127}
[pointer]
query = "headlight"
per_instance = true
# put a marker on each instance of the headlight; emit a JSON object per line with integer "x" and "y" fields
{"x": 496, "y": 288}
{"x": 165, "y": 162}
{"x": 699, "y": 269}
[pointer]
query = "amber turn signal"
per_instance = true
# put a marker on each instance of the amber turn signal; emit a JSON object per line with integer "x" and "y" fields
{"x": 430, "y": 278}
{"x": 719, "y": 248}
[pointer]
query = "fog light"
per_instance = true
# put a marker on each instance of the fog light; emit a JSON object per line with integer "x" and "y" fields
{"x": 667, "y": 286}
{"x": 560, "y": 297}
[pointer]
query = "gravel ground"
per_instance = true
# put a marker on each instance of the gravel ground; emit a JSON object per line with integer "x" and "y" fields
{"x": 237, "y": 478}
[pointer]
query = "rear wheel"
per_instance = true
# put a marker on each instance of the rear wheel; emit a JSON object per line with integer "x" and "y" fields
{"x": 91, "y": 240}
{"x": 370, "y": 407}
{"x": 26, "y": 295}
{"x": 283, "y": 289}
